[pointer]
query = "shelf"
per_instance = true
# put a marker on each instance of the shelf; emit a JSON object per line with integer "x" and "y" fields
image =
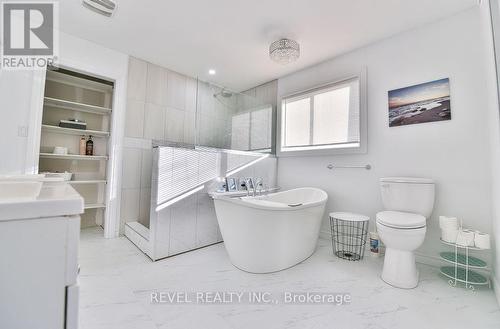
{"x": 461, "y": 260}
{"x": 459, "y": 246}
{"x": 73, "y": 131}
{"x": 73, "y": 156}
{"x": 473, "y": 278}
{"x": 59, "y": 77}
{"x": 81, "y": 182}
{"x": 62, "y": 104}
{"x": 94, "y": 206}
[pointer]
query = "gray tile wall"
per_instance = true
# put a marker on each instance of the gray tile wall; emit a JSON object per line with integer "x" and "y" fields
{"x": 162, "y": 105}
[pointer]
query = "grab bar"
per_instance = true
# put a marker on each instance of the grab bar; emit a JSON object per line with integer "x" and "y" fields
{"x": 367, "y": 167}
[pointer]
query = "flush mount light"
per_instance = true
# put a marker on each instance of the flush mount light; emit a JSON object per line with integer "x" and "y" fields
{"x": 284, "y": 51}
{"x": 103, "y": 7}
{"x": 211, "y": 72}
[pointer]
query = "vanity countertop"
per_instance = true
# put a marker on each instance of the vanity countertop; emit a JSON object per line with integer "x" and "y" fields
{"x": 55, "y": 199}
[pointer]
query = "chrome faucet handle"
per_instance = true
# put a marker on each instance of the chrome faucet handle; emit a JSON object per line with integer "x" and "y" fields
{"x": 259, "y": 184}
{"x": 243, "y": 184}
{"x": 250, "y": 185}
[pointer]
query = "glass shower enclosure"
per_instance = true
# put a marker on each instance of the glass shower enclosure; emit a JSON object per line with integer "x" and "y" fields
{"x": 232, "y": 136}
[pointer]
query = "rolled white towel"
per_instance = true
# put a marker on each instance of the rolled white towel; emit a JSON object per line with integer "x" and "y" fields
{"x": 482, "y": 240}
{"x": 448, "y": 223}
{"x": 465, "y": 238}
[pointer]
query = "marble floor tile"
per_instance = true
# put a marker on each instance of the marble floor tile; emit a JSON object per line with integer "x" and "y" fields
{"x": 117, "y": 281}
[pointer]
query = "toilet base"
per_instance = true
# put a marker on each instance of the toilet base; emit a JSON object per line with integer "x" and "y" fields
{"x": 400, "y": 269}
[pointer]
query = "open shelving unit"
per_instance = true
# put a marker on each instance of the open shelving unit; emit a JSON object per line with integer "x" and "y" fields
{"x": 463, "y": 267}
{"x": 72, "y": 95}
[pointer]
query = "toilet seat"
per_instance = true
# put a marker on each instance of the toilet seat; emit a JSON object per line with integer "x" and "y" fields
{"x": 400, "y": 220}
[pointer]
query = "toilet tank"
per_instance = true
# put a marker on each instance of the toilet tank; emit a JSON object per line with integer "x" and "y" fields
{"x": 408, "y": 194}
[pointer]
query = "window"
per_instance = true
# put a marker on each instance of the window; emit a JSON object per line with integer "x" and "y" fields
{"x": 324, "y": 118}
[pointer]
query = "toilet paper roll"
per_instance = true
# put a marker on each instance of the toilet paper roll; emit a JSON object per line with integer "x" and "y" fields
{"x": 482, "y": 240}
{"x": 465, "y": 238}
{"x": 448, "y": 223}
{"x": 449, "y": 235}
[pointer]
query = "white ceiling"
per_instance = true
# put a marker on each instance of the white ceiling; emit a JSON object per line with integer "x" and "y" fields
{"x": 233, "y": 36}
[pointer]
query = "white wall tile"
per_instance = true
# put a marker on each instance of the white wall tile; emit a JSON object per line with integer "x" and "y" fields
{"x": 154, "y": 121}
{"x": 189, "y": 127}
{"x": 155, "y": 92}
{"x": 131, "y": 174}
{"x": 137, "y": 77}
{"x": 138, "y": 143}
{"x": 176, "y": 90}
{"x": 162, "y": 234}
{"x": 174, "y": 131}
{"x": 130, "y": 205}
{"x": 134, "y": 119}
{"x": 206, "y": 221}
{"x": 144, "y": 206}
{"x": 183, "y": 226}
{"x": 146, "y": 167}
{"x": 191, "y": 94}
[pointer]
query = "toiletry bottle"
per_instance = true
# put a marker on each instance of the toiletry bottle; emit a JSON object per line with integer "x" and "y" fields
{"x": 90, "y": 147}
{"x": 83, "y": 146}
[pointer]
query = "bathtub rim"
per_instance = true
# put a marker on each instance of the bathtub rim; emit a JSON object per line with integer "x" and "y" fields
{"x": 243, "y": 201}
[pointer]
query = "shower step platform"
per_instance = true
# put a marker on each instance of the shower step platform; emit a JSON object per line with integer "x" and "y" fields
{"x": 463, "y": 260}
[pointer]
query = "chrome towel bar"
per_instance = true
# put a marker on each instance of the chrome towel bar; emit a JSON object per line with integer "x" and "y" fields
{"x": 367, "y": 167}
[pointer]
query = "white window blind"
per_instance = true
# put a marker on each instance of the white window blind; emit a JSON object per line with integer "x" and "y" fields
{"x": 326, "y": 117}
{"x": 181, "y": 170}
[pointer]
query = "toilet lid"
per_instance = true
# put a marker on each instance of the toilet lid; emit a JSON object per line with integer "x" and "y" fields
{"x": 398, "y": 219}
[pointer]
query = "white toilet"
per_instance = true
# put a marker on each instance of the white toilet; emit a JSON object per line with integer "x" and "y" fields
{"x": 408, "y": 202}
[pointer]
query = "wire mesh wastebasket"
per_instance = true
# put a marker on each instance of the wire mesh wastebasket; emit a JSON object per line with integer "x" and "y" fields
{"x": 349, "y": 234}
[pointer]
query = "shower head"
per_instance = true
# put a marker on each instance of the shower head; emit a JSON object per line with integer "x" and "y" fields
{"x": 224, "y": 93}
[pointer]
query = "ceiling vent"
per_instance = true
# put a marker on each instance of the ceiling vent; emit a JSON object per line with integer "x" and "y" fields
{"x": 103, "y": 7}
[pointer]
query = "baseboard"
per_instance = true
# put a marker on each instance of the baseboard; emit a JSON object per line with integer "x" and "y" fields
{"x": 421, "y": 258}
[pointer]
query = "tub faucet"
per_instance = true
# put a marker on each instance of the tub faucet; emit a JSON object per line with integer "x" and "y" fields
{"x": 243, "y": 185}
{"x": 259, "y": 185}
{"x": 250, "y": 186}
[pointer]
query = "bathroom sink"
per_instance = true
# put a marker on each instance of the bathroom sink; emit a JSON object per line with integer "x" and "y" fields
{"x": 12, "y": 191}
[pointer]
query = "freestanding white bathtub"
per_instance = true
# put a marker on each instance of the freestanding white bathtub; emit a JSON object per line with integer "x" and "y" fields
{"x": 270, "y": 233}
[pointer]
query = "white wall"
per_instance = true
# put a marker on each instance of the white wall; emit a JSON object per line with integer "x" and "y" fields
{"x": 455, "y": 153}
{"x": 21, "y": 98}
{"x": 16, "y": 88}
{"x": 495, "y": 151}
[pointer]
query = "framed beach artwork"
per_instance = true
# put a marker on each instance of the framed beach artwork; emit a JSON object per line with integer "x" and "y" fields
{"x": 425, "y": 102}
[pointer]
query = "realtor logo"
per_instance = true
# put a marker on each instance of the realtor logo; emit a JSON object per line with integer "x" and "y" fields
{"x": 29, "y": 39}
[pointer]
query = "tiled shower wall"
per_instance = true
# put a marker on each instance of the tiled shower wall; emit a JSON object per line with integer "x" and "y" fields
{"x": 162, "y": 105}
{"x": 192, "y": 222}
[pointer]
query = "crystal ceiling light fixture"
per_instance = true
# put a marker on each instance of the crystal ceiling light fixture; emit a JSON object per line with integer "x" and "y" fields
{"x": 284, "y": 51}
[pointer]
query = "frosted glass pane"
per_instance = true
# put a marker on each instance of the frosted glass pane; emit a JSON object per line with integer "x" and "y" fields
{"x": 297, "y": 122}
{"x": 331, "y": 117}
{"x": 240, "y": 132}
{"x": 261, "y": 127}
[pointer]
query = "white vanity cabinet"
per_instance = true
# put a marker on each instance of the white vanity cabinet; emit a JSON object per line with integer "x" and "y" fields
{"x": 39, "y": 260}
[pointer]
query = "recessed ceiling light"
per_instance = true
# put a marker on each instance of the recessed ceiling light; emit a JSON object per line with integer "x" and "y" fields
{"x": 211, "y": 72}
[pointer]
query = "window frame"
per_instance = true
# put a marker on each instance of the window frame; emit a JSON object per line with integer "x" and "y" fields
{"x": 325, "y": 149}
